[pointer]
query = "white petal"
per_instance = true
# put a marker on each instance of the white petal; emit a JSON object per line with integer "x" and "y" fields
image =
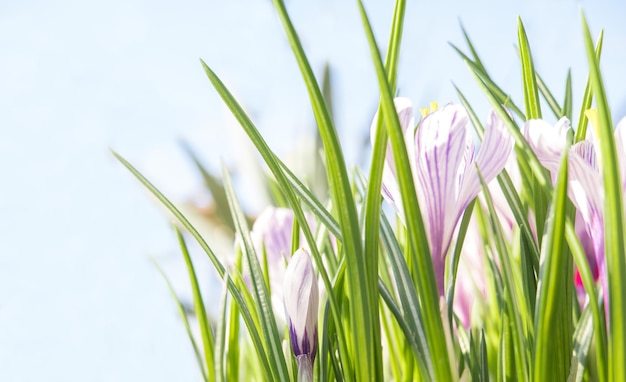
{"x": 548, "y": 142}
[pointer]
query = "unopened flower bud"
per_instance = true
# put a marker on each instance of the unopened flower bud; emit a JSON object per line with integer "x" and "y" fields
{"x": 301, "y": 308}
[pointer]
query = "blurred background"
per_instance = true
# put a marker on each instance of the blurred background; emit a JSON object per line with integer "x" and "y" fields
{"x": 80, "y": 299}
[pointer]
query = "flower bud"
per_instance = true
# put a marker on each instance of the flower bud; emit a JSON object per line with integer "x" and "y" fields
{"x": 301, "y": 305}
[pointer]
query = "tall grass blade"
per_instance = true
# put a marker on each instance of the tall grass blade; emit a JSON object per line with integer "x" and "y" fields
{"x": 241, "y": 296}
{"x": 581, "y": 127}
{"x": 364, "y": 315}
{"x": 272, "y": 340}
{"x": 553, "y": 330}
{"x": 614, "y": 233}
{"x": 427, "y": 289}
{"x": 183, "y": 316}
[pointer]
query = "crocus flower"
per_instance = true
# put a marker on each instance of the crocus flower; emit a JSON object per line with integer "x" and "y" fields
{"x": 443, "y": 161}
{"x": 301, "y": 309}
{"x": 584, "y": 180}
{"x": 272, "y": 234}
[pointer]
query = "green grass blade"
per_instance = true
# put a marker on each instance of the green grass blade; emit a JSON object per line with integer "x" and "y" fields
{"x": 419, "y": 244}
{"x": 262, "y": 299}
{"x": 478, "y": 126}
{"x": 281, "y": 178}
{"x": 232, "y": 359}
{"x": 531, "y": 95}
{"x": 515, "y": 308}
{"x": 198, "y": 303}
{"x": 241, "y": 296}
{"x": 408, "y": 298}
{"x": 473, "y": 50}
{"x": 312, "y": 202}
{"x": 614, "y": 233}
{"x": 527, "y": 155}
{"x": 456, "y": 256}
{"x": 598, "y": 317}
{"x": 581, "y": 127}
{"x": 221, "y": 353}
{"x": 373, "y": 195}
{"x": 364, "y": 314}
{"x": 549, "y": 97}
{"x": 553, "y": 351}
{"x": 503, "y": 98}
{"x": 183, "y": 316}
{"x": 582, "y": 342}
{"x": 568, "y": 100}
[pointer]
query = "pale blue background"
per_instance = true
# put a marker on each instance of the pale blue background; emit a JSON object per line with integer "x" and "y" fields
{"x": 79, "y": 298}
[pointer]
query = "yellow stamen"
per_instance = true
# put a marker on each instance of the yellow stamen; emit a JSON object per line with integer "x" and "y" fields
{"x": 424, "y": 111}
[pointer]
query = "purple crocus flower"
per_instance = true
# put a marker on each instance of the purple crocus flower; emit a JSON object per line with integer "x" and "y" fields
{"x": 443, "y": 161}
{"x": 301, "y": 309}
{"x": 585, "y": 176}
{"x": 272, "y": 232}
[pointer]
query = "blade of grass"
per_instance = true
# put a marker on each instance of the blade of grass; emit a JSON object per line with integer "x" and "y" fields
{"x": 568, "y": 100}
{"x": 408, "y": 298}
{"x": 552, "y": 356}
{"x": 417, "y": 235}
{"x": 241, "y": 296}
{"x": 581, "y": 127}
{"x": 454, "y": 259}
{"x": 281, "y": 178}
{"x": 198, "y": 303}
{"x": 221, "y": 353}
{"x": 373, "y": 195}
{"x": 531, "y": 95}
{"x": 364, "y": 314}
{"x": 261, "y": 294}
{"x": 514, "y": 307}
{"x": 183, "y": 317}
{"x": 582, "y": 264}
{"x": 614, "y": 233}
{"x": 549, "y": 97}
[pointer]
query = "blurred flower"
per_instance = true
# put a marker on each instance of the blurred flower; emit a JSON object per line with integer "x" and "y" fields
{"x": 271, "y": 236}
{"x": 585, "y": 183}
{"x": 301, "y": 308}
{"x": 443, "y": 161}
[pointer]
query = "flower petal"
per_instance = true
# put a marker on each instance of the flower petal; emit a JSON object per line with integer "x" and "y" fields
{"x": 390, "y": 189}
{"x": 493, "y": 155}
{"x": 301, "y": 303}
{"x": 440, "y": 147}
{"x": 548, "y": 142}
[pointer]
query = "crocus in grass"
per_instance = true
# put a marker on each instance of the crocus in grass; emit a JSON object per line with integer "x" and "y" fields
{"x": 443, "y": 161}
{"x": 301, "y": 308}
{"x": 584, "y": 183}
{"x": 271, "y": 234}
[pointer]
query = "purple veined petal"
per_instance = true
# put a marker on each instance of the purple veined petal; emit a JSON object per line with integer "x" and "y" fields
{"x": 440, "y": 144}
{"x": 548, "y": 142}
{"x": 301, "y": 298}
{"x": 620, "y": 141}
{"x": 273, "y": 229}
{"x": 491, "y": 159}
{"x": 587, "y": 196}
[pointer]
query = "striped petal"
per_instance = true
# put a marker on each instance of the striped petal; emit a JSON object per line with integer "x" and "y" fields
{"x": 491, "y": 159}
{"x": 441, "y": 145}
{"x": 301, "y": 304}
